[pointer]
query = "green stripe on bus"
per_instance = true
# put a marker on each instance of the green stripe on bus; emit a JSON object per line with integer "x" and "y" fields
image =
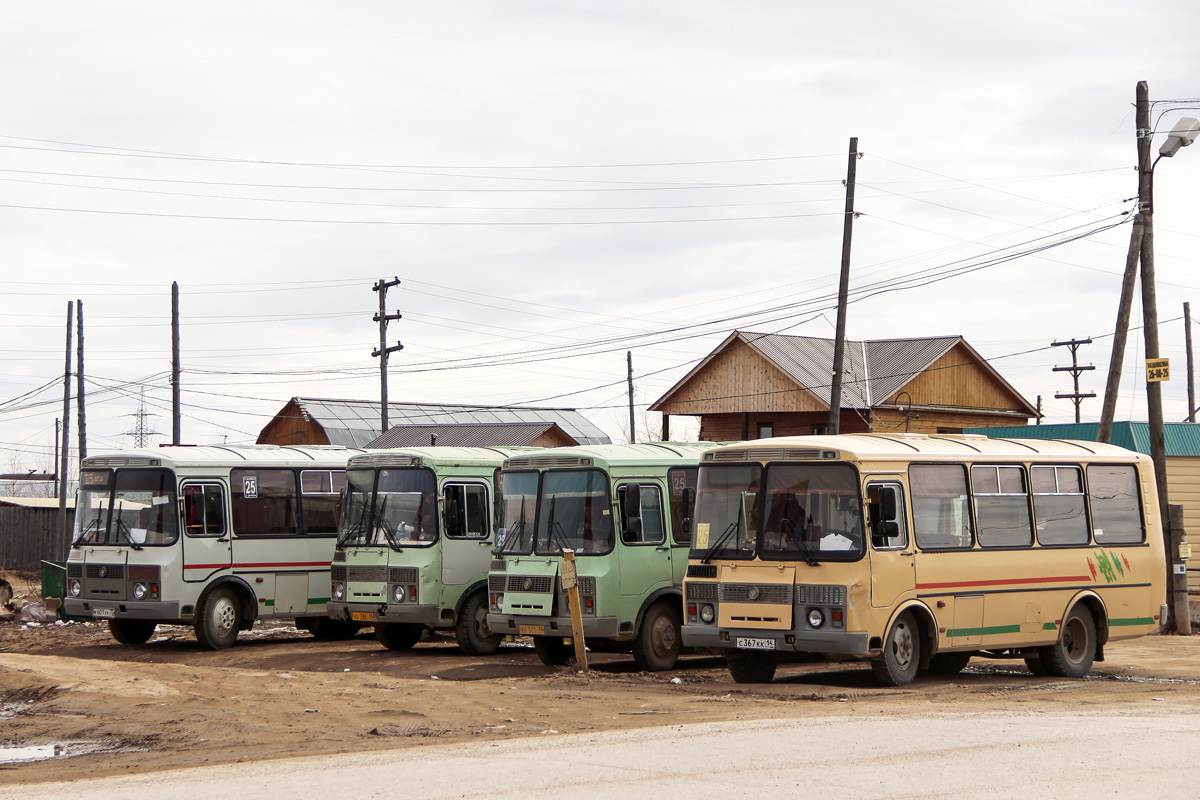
{"x": 1049, "y": 626}
{"x": 319, "y": 601}
{"x": 1130, "y": 621}
{"x": 995, "y": 629}
{"x": 269, "y": 603}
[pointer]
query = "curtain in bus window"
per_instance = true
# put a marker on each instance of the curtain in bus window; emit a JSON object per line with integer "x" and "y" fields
{"x": 941, "y": 516}
{"x": 1059, "y": 511}
{"x": 1001, "y": 506}
{"x": 1116, "y": 505}
{"x": 264, "y": 501}
{"x": 320, "y": 493}
{"x": 575, "y": 513}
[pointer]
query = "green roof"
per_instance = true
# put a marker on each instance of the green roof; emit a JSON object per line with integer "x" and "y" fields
{"x": 1182, "y": 438}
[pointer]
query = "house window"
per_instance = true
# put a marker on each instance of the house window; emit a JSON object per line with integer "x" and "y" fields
{"x": 949, "y": 430}
{"x": 766, "y": 430}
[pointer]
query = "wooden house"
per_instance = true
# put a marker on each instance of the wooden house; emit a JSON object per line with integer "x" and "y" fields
{"x": 756, "y": 385}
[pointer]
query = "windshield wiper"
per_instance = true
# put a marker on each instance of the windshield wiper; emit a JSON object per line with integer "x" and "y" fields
{"x": 801, "y": 544}
{"x": 514, "y": 535}
{"x": 555, "y": 529}
{"x": 123, "y": 529}
{"x": 389, "y": 532}
{"x": 356, "y": 529}
{"x": 725, "y": 534}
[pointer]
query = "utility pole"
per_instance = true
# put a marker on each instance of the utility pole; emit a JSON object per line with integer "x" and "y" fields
{"x": 57, "y": 422}
{"x": 839, "y": 342}
{"x": 79, "y": 390}
{"x": 632, "y": 428}
{"x": 382, "y": 352}
{"x": 176, "y": 410}
{"x": 1075, "y": 370}
{"x": 1120, "y": 333}
{"x": 1039, "y": 410}
{"x": 1191, "y": 376}
{"x": 60, "y": 545}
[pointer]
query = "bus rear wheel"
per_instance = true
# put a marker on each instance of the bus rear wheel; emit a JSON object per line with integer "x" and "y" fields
{"x": 949, "y": 663}
{"x": 553, "y": 651}
{"x": 474, "y": 636}
{"x": 132, "y": 631}
{"x": 397, "y": 635}
{"x": 220, "y": 619}
{"x": 1072, "y": 655}
{"x": 897, "y": 666}
{"x": 750, "y": 667}
{"x": 658, "y": 642}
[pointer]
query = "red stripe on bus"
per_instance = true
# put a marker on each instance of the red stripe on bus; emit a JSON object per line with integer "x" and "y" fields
{"x": 1008, "y": 582}
{"x": 265, "y": 564}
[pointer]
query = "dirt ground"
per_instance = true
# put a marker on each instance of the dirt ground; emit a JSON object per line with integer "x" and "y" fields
{"x": 116, "y": 709}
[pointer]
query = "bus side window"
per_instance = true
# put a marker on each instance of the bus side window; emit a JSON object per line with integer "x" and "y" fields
{"x": 682, "y": 481}
{"x": 204, "y": 509}
{"x": 464, "y": 507}
{"x": 641, "y": 514}
{"x": 941, "y": 511}
{"x": 885, "y": 510}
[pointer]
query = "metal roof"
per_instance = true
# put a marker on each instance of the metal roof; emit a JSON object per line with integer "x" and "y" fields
{"x": 1182, "y": 438}
{"x": 926, "y": 446}
{"x": 355, "y": 423}
{"x": 487, "y": 434}
{"x": 622, "y": 454}
{"x": 261, "y": 455}
{"x": 873, "y": 370}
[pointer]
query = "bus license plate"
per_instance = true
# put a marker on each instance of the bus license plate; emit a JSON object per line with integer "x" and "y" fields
{"x": 755, "y": 644}
{"x": 362, "y": 616}
{"x": 531, "y": 630}
{"x": 104, "y": 613}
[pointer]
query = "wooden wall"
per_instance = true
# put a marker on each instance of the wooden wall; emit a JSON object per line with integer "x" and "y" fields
{"x": 555, "y": 437}
{"x": 1183, "y": 488}
{"x": 958, "y": 380}
{"x": 290, "y": 427}
{"x": 729, "y": 427}
{"x": 737, "y": 380}
{"x": 889, "y": 420}
{"x": 29, "y": 536}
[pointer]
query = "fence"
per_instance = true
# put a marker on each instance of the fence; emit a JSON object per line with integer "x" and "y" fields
{"x": 29, "y": 536}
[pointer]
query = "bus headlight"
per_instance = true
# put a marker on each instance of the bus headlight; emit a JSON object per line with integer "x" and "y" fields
{"x": 140, "y": 591}
{"x": 75, "y": 588}
{"x": 398, "y": 594}
{"x": 816, "y": 618}
{"x": 707, "y": 613}
{"x": 339, "y": 591}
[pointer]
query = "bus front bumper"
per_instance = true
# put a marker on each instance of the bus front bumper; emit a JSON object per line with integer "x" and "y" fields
{"x": 123, "y": 609}
{"x": 599, "y": 627}
{"x": 383, "y": 613}
{"x": 772, "y": 641}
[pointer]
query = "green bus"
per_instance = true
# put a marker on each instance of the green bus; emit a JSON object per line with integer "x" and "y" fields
{"x": 415, "y": 542}
{"x": 625, "y": 511}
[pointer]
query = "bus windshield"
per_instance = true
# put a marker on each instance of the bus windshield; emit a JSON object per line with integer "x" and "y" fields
{"x": 520, "y": 504}
{"x": 406, "y": 507}
{"x": 354, "y": 530}
{"x": 812, "y": 512}
{"x": 575, "y": 513}
{"x": 726, "y": 511}
{"x": 131, "y": 507}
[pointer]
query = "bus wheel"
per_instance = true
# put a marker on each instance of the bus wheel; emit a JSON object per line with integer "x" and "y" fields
{"x": 219, "y": 620}
{"x": 901, "y": 653}
{"x": 132, "y": 631}
{"x": 1072, "y": 655}
{"x": 553, "y": 651}
{"x": 1035, "y": 665}
{"x": 658, "y": 642}
{"x": 750, "y": 667}
{"x": 397, "y": 635}
{"x": 474, "y": 636}
{"x": 949, "y": 663}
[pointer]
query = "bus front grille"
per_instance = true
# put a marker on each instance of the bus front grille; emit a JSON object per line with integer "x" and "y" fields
{"x": 821, "y": 595}
{"x": 702, "y": 592}
{"x": 496, "y": 583}
{"x": 403, "y": 575}
{"x": 111, "y": 571}
{"x": 543, "y": 584}
{"x": 756, "y": 593}
{"x": 366, "y": 574}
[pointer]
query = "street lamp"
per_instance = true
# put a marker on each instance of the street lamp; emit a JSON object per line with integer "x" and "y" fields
{"x": 1183, "y": 134}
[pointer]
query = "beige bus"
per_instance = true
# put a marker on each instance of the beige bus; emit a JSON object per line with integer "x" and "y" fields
{"x": 918, "y": 552}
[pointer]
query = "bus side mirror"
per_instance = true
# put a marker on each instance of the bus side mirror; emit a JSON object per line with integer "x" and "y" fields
{"x": 450, "y": 510}
{"x": 631, "y": 508}
{"x": 887, "y": 504}
{"x": 687, "y": 505}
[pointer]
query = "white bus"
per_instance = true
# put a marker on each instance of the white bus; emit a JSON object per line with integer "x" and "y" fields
{"x": 214, "y": 537}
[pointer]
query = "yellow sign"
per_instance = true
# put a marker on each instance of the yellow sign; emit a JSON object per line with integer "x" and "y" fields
{"x": 702, "y": 536}
{"x": 1185, "y": 551}
{"x": 1158, "y": 369}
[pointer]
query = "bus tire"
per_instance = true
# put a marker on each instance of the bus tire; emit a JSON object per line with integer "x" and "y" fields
{"x": 1035, "y": 665}
{"x": 750, "y": 667}
{"x": 553, "y": 651}
{"x": 329, "y": 628}
{"x": 658, "y": 641}
{"x": 901, "y": 653}
{"x": 132, "y": 631}
{"x": 398, "y": 635}
{"x": 474, "y": 636}
{"x": 219, "y": 620}
{"x": 949, "y": 663}
{"x": 1072, "y": 655}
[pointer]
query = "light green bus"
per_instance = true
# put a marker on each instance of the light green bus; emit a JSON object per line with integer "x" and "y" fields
{"x": 414, "y": 544}
{"x": 625, "y": 510}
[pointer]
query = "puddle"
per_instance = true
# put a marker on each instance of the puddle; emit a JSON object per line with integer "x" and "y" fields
{"x": 46, "y": 752}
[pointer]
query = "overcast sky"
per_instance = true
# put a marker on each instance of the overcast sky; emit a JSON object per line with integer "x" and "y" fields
{"x": 556, "y": 183}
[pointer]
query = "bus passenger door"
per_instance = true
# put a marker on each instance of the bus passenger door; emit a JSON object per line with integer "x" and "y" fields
{"x": 206, "y": 530}
{"x": 467, "y": 543}
{"x": 893, "y": 573}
